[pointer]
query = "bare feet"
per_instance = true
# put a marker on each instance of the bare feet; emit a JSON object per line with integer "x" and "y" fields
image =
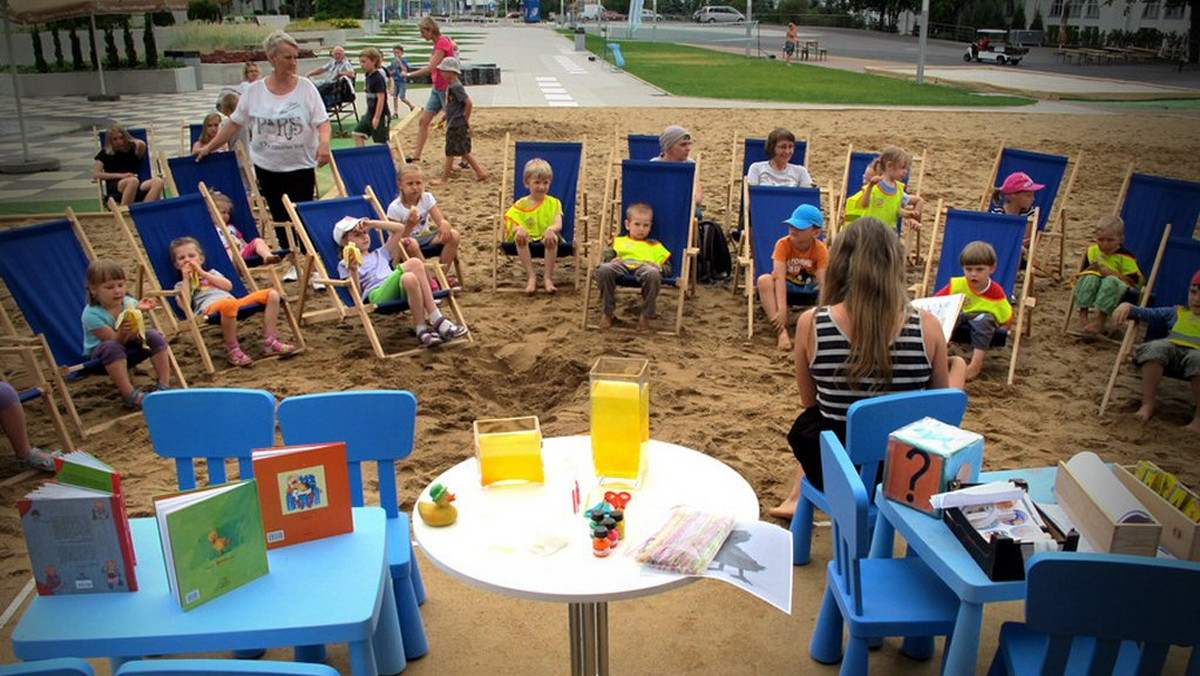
{"x": 974, "y": 369}
{"x": 549, "y": 286}
{"x": 606, "y": 321}
{"x": 1193, "y": 426}
{"x": 783, "y": 343}
{"x": 1147, "y": 410}
{"x": 481, "y": 177}
{"x": 440, "y": 181}
{"x": 643, "y": 323}
{"x": 531, "y": 286}
{"x": 785, "y": 510}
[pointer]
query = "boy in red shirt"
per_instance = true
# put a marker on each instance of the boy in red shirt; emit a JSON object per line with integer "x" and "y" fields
{"x": 985, "y": 305}
{"x": 798, "y": 267}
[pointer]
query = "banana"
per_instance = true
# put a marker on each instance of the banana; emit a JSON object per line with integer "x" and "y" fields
{"x": 133, "y": 314}
{"x": 352, "y": 255}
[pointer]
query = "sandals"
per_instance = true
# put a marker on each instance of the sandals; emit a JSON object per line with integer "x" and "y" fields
{"x": 39, "y": 459}
{"x": 239, "y": 358}
{"x": 134, "y": 400}
{"x": 275, "y": 346}
{"x": 447, "y": 329}
{"x": 429, "y": 338}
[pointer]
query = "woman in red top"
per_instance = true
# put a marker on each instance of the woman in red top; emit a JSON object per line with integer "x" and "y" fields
{"x": 442, "y": 48}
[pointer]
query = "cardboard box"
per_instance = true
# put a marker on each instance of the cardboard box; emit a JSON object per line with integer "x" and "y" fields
{"x": 1180, "y": 535}
{"x": 1094, "y": 523}
{"x": 924, "y": 457}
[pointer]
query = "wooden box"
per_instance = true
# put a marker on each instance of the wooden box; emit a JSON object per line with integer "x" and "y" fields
{"x": 1096, "y": 526}
{"x": 1180, "y": 535}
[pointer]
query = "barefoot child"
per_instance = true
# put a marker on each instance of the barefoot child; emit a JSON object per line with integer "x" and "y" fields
{"x": 537, "y": 217}
{"x": 208, "y": 291}
{"x": 120, "y": 346}
{"x": 374, "y": 122}
{"x": 985, "y": 307}
{"x": 1179, "y": 351}
{"x": 637, "y": 255}
{"x": 797, "y": 266}
{"x": 458, "y": 122}
{"x": 1106, "y": 272}
{"x": 247, "y": 250}
{"x": 423, "y": 221}
{"x": 379, "y": 282}
{"x": 883, "y": 193}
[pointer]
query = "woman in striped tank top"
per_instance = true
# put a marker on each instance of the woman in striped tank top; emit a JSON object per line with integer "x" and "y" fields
{"x": 863, "y": 341}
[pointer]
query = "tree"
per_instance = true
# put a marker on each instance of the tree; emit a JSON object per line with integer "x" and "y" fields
{"x": 1036, "y": 23}
{"x": 39, "y": 59}
{"x": 131, "y": 58}
{"x": 148, "y": 40}
{"x": 1193, "y": 34}
{"x": 981, "y": 14}
{"x": 111, "y": 56}
{"x": 76, "y": 50}
{"x": 59, "y": 61}
{"x": 1018, "y": 18}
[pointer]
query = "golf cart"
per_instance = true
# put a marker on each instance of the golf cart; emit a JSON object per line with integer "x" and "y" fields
{"x": 992, "y": 46}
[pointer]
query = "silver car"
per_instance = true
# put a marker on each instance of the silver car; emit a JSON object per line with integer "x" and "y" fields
{"x": 718, "y": 14}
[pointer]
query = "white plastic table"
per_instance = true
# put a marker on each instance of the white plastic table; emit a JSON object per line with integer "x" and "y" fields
{"x": 333, "y": 590}
{"x": 489, "y": 545}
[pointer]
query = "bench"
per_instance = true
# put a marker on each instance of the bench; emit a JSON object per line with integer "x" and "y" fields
{"x": 618, "y": 59}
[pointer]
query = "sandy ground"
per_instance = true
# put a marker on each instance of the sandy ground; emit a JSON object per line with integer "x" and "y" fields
{"x": 712, "y": 390}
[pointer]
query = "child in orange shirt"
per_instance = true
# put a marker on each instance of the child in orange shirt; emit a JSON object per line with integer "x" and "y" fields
{"x": 798, "y": 267}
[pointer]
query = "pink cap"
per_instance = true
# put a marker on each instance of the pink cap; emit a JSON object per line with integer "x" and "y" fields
{"x": 1196, "y": 279}
{"x": 1019, "y": 181}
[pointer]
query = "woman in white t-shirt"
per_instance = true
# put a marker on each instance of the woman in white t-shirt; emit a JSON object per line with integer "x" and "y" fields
{"x": 289, "y": 129}
{"x": 779, "y": 171}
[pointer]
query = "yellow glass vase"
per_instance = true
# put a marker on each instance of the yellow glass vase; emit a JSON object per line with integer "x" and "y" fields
{"x": 509, "y": 451}
{"x": 620, "y": 397}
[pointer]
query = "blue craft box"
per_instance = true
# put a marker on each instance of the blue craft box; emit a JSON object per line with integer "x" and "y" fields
{"x": 923, "y": 457}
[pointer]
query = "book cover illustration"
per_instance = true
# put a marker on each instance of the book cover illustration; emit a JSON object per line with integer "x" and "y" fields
{"x": 77, "y": 542}
{"x": 945, "y": 308}
{"x": 212, "y": 541}
{"x": 305, "y": 492}
{"x": 80, "y": 468}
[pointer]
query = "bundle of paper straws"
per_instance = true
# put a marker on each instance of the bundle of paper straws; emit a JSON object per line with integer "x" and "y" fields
{"x": 687, "y": 543}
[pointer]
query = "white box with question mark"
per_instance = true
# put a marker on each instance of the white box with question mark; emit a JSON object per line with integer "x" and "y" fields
{"x": 924, "y": 456}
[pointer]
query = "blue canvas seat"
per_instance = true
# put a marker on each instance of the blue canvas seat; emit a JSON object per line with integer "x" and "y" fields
{"x": 1006, "y": 234}
{"x": 752, "y": 150}
{"x": 336, "y": 416}
{"x": 643, "y": 146}
{"x": 856, "y": 164}
{"x": 872, "y": 598}
{"x": 566, "y": 159}
{"x": 189, "y": 133}
{"x": 44, "y": 267}
{"x": 203, "y": 667}
{"x": 767, "y": 208}
{"x": 146, "y": 169}
{"x": 1070, "y": 630}
{"x": 668, "y": 188}
{"x": 314, "y": 223}
{"x": 868, "y": 424}
{"x": 161, "y": 222}
{"x": 1048, "y": 170}
{"x": 62, "y": 666}
{"x": 356, "y": 169}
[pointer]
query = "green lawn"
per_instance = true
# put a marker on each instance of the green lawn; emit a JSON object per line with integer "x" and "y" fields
{"x": 692, "y": 71}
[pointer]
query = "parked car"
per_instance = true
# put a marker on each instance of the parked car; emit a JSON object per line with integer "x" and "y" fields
{"x": 610, "y": 15}
{"x": 650, "y": 15}
{"x": 992, "y": 46}
{"x": 718, "y": 14}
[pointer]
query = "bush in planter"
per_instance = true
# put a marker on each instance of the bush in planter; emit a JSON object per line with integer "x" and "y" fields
{"x": 204, "y": 10}
{"x": 1036, "y": 23}
{"x": 148, "y": 41}
{"x": 338, "y": 9}
{"x": 76, "y": 50}
{"x": 131, "y": 58}
{"x": 59, "y": 61}
{"x": 162, "y": 18}
{"x": 39, "y": 59}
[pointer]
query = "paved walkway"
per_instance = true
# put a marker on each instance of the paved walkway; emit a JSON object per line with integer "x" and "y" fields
{"x": 1012, "y": 79}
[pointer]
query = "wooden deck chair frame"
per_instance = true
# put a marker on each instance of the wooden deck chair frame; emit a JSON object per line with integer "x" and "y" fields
{"x": 737, "y": 160}
{"x": 195, "y": 324}
{"x": 580, "y": 241}
{"x": 395, "y": 141}
{"x": 156, "y": 170}
{"x": 610, "y": 225}
{"x": 913, "y": 187}
{"x": 744, "y": 250}
{"x": 1022, "y": 320}
{"x": 315, "y": 270}
{"x": 1056, "y": 220}
{"x": 45, "y": 372}
{"x": 185, "y": 136}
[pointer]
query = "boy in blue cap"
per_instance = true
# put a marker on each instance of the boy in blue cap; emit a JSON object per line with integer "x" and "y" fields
{"x": 798, "y": 267}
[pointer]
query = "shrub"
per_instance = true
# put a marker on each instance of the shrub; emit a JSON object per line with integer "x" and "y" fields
{"x": 204, "y": 10}
{"x": 338, "y": 9}
{"x": 59, "y": 61}
{"x": 208, "y": 38}
{"x": 162, "y": 18}
{"x": 1036, "y": 23}
{"x": 1018, "y": 18}
{"x": 148, "y": 41}
{"x": 131, "y": 57}
{"x": 39, "y": 59}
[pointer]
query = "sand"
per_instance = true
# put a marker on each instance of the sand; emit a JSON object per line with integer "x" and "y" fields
{"x": 713, "y": 390}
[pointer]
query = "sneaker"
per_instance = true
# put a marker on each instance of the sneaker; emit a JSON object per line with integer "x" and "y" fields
{"x": 429, "y": 338}
{"x": 290, "y": 275}
{"x": 447, "y": 329}
{"x": 39, "y": 459}
{"x": 317, "y": 286}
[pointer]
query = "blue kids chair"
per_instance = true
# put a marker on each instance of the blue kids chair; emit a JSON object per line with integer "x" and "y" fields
{"x": 874, "y": 598}
{"x": 1102, "y": 614}
{"x": 386, "y": 434}
{"x": 63, "y": 666}
{"x": 202, "y": 667}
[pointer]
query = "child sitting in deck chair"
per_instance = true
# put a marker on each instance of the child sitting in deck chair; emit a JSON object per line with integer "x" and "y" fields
{"x": 883, "y": 192}
{"x": 1180, "y": 350}
{"x": 379, "y": 282}
{"x": 985, "y": 307}
{"x": 635, "y": 254}
{"x": 424, "y": 224}
{"x": 798, "y": 266}
{"x": 255, "y": 247}
{"x": 1106, "y": 272}
{"x": 536, "y": 217}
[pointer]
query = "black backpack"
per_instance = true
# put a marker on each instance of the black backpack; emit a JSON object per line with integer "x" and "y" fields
{"x": 714, "y": 264}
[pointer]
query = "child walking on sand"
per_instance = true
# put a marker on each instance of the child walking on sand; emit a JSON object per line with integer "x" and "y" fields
{"x": 458, "y": 122}
{"x": 883, "y": 193}
{"x": 798, "y": 266}
{"x": 119, "y": 345}
{"x": 638, "y": 255}
{"x": 536, "y": 217}
{"x": 379, "y": 282}
{"x": 985, "y": 306}
{"x": 423, "y": 221}
{"x": 1106, "y": 272}
{"x": 208, "y": 291}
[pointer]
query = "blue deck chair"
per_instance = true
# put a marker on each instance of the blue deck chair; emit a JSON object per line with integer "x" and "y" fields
{"x": 1122, "y": 630}
{"x": 643, "y": 146}
{"x": 221, "y": 172}
{"x": 189, "y": 133}
{"x": 767, "y": 207}
{"x": 35, "y": 358}
{"x": 1169, "y": 283}
{"x": 210, "y": 426}
{"x": 319, "y": 418}
{"x": 873, "y": 598}
{"x": 313, "y": 222}
{"x": 354, "y": 169}
{"x": 753, "y": 150}
{"x": 159, "y": 223}
{"x": 668, "y": 188}
{"x": 868, "y": 424}
{"x": 856, "y": 163}
{"x": 202, "y": 667}
{"x": 566, "y": 158}
{"x": 145, "y": 169}
{"x": 1050, "y": 171}
{"x": 62, "y": 666}
{"x": 44, "y": 267}
{"x": 1006, "y": 234}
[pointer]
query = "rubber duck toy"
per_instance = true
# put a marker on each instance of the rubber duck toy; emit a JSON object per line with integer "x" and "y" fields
{"x": 439, "y": 512}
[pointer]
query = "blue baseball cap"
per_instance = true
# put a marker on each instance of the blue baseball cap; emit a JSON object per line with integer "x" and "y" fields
{"x": 806, "y": 216}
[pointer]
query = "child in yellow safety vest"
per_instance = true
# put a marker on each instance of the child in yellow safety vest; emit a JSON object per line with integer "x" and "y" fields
{"x": 637, "y": 255}
{"x": 985, "y": 306}
{"x": 1106, "y": 272}
{"x": 1179, "y": 351}
{"x": 883, "y": 192}
{"x": 536, "y": 217}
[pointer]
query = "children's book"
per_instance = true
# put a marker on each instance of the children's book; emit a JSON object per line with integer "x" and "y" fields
{"x": 304, "y": 491}
{"x": 78, "y": 543}
{"x": 945, "y": 308}
{"x": 212, "y": 540}
{"x": 80, "y": 468}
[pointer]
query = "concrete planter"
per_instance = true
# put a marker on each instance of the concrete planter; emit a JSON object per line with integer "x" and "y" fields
{"x": 231, "y": 73}
{"x": 166, "y": 81}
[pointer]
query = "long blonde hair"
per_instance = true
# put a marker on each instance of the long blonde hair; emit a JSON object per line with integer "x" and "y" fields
{"x": 890, "y": 155}
{"x": 117, "y": 130}
{"x": 866, "y": 275}
{"x": 204, "y": 137}
{"x": 430, "y": 24}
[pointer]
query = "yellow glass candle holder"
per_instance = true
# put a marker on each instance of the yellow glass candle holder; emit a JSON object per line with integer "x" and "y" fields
{"x": 620, "y": 397}
{"x": 509, "y": 451}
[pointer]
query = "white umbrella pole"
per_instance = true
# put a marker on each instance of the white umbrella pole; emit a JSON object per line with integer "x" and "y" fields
{"x": 12, "y": 65}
